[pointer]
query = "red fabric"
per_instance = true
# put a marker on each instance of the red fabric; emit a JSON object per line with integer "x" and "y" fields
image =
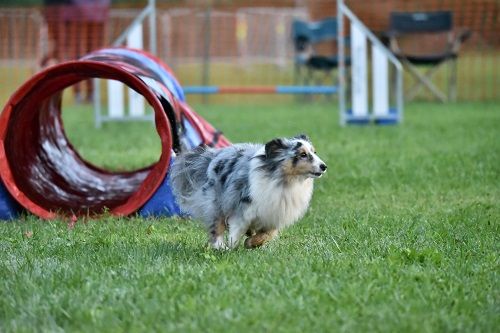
{"x": 43, "y": 172}
{"x": 209, "y": 135}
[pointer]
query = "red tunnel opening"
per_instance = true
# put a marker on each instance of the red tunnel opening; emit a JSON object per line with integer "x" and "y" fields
{"x": 41, "y": 169}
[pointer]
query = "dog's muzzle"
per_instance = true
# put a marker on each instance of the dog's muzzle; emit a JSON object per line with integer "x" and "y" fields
{"x": 323, "y": 168}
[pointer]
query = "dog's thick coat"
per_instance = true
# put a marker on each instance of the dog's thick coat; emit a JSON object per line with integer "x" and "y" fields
{"x": 249, "y": 188}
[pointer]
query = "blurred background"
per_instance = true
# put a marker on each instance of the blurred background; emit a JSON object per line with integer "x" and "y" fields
{"x": 228, "y": 42}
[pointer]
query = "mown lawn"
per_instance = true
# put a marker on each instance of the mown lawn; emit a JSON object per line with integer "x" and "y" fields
{"x": 402, "y": 236}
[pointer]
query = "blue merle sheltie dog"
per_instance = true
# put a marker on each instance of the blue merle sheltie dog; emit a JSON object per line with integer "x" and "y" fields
{"x": 249, "y": 189}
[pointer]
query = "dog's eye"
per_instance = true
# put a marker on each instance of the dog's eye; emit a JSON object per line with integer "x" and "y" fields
{"x": 303, "y": 155}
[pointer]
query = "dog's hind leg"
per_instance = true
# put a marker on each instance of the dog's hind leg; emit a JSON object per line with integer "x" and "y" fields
{"x": 260, "y": 238}
{"x": 216, "y": 234}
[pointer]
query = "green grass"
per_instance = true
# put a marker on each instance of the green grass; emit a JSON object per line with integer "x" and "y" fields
{"x": 402, "y": 236}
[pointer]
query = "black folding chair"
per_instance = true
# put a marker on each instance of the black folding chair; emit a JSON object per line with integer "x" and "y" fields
{"x": 426, "y": 38}
{"x": 306, "y": 36}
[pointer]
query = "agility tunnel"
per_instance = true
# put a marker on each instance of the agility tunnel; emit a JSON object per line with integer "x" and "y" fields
{"x": 42, "y": 172}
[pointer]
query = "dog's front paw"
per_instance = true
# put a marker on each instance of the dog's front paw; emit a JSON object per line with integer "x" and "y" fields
{"x": 219, "y": 245}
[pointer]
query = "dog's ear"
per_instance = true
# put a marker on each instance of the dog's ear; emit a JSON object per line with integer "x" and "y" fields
{"x": 302, "y": 137}
{"x": 273, "y": 146}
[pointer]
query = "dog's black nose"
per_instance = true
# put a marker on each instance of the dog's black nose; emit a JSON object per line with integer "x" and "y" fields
{"x": 323, "y": 167}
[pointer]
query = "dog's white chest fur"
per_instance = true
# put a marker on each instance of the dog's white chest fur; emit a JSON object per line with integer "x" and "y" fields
{"x": 275, "y": 205}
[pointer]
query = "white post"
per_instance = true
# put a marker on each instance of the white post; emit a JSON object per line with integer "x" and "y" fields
{"x": 341, "y": 72}
{"x": 133, "y": 37}
{"x": 152, "y": 27}
{"x": 380, "y": 83}
{"x": 135, "y": 100}
{"x": 116, "y": 106}
{"x": 359, "y": 72}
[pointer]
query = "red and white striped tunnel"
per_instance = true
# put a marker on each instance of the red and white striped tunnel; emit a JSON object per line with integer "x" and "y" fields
{"x": 41, "y": 169}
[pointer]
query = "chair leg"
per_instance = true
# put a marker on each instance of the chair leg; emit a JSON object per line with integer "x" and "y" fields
{"x": 308, "y": 80}
{"x": 324, "y": 79}
{"x": 422, "y": 79}
{"x": 299, "y": 79}
{"x": 309, "y": 76}
{"x": 296, "y": 74}
{"x": 452, "y": 80}
{"x": 428, "y": 74}
{"x": 330, "y": 79}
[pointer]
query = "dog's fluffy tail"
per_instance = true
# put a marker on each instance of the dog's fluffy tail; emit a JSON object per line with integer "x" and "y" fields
{"x": 189, "y": 173}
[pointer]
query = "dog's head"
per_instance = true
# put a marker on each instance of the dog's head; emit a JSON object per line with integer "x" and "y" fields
{"x": 294, "y": 157}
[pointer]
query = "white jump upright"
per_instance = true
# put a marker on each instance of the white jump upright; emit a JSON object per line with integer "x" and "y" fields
{"x": 380, "y": 83}
{"x": 116, "y": 100}
{"x": 135, "y": 100}
{"x": 359, "y": 67}
{"x": 116, "y": 97}
{"x": 117, "y": 103}
{"x": 381, "y": 60}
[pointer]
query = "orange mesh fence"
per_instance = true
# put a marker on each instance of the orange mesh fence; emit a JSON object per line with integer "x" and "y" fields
{"x": 236, "y": 43}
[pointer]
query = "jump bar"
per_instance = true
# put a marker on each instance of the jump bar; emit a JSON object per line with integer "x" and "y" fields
{"x": 207, "y": 90}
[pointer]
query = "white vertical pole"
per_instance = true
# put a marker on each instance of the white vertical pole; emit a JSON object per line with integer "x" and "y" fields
{"x": 359, "y": 72}
{"x": 341, "y": 54}
{"x": 116, "y": 107}
{"x": 135, "y": 100}
{"x": 399, "y": 91}
{"x": 152, "y": 27}
{"x": 97, "y": 103}
{"x": 380, "y": 77}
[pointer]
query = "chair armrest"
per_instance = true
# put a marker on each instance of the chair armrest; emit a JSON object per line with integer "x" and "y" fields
{"x": 389, "y": 39}
{"x": 460, "y": 37}
{"x": 389, "y": 34}
{"x": 463, "y": 34}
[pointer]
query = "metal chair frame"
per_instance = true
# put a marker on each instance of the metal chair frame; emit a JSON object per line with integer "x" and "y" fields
{"x": 414, "y": 23}
{"x": 306, "y": 36}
